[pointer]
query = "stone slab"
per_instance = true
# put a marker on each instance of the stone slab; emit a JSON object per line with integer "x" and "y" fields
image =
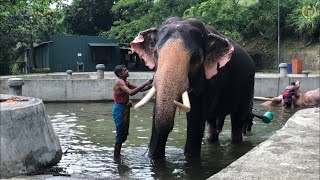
{"x": 292, "y": 153}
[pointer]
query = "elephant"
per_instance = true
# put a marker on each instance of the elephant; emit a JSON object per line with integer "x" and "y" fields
{"x": 310, "y": 98}
{"x": 209, "y": 72}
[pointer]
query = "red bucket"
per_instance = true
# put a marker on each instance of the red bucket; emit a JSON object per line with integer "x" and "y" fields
{"x": 297, "y": 66}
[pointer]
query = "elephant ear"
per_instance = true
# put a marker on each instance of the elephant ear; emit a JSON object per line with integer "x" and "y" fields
{"x": 219, "y": 52}
{"x": 145, "y": 41}
{"x": 297, "y": 84}
{"x": 144, "y": 45}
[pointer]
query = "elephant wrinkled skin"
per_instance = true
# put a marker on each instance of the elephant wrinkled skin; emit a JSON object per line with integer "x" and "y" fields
{"x": 217, "y": 74}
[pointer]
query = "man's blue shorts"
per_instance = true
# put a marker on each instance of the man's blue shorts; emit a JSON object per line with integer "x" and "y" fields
{"x": 118, "y": 112}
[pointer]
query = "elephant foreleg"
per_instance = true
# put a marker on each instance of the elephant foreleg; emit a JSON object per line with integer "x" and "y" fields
{"x": 157, "y": 146}
{"x": 195, "y": 129}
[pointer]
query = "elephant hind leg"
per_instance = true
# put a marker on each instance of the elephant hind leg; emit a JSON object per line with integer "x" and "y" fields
{"x": 248, "y": 124}
{"x": 237, "y": 123}
{"x": 215, "y": 125}
{"x": 212, "y": 134}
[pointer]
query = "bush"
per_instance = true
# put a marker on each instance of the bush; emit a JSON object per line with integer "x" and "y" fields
{"x": 304, "y": 20}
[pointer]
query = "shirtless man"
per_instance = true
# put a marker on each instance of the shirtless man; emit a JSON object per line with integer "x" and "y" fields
{"x": 122, "y": 89}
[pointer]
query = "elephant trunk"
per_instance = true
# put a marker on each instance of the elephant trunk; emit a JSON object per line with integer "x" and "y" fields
{"x": 165, "y": 111}
{"x": 171, "y": 80}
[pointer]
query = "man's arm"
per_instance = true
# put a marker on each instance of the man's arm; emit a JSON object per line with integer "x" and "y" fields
{"x": 131, "y": 86}
{"x": 277, "y": 100}
{"x": 131, "y": 92}
{"x": 147, "y": 87}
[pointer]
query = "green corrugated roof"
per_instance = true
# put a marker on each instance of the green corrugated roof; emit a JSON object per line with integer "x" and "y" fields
{"x": 101, "y": 44}
{"x": 43, "y": 43}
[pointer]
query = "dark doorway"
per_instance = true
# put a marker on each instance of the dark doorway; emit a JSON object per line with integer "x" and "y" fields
{"x": 102, "y": 55}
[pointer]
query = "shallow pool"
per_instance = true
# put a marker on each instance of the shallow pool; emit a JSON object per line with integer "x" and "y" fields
{"x": 87, "y": 135}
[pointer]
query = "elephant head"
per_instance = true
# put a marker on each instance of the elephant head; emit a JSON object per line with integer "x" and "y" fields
{"x": 183, "y": 51}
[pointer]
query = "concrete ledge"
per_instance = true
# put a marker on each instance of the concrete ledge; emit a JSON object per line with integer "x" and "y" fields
{"x": 28, "y": 141}
{"x": 86, "y": 86}
{"x": 291, "y": 153}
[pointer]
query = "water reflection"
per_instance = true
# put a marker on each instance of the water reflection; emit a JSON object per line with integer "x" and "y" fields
{"x": 87, "y": 135}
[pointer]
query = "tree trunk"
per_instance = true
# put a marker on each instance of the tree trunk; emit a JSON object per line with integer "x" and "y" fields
{"x": 32, "y": 58}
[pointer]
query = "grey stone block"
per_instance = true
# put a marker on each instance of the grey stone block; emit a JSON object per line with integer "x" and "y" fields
{"x": 28, "y": 140}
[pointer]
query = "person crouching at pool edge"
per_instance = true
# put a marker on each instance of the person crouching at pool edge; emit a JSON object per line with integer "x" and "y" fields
{"x": 122, "y": 89}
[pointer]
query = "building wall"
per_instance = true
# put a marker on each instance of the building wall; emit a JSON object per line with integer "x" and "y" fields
{"x": 42, "y": 56}
{"x": 66, "y": 51}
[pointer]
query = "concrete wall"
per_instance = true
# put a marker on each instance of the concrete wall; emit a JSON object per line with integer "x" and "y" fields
{"x": 57, "y": 88}
{"x": 71, "y": 90}
{"x": 272, "y": 86}
{"x": 28, "y": 141}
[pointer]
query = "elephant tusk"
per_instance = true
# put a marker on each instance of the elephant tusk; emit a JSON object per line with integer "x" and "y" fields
{"x": 146, "y": 98}
{"x": 186, "y": 102}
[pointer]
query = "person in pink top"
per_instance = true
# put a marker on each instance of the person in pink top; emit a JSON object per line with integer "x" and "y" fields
{"x": 296, "y": 98}
{"x": 122, "y": 89}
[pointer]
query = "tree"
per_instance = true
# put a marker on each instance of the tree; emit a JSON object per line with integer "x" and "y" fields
{"x": 89, "y": 17}
{"x": 8, "y": 33}
{"x": 24, "y": 22}
{"x": 137, "y": 15}
{"x": 167, "y": 8}
{"x": 304, "y": 20}
{"x": 220, "y": 14}
{"x": 132, "y": 16}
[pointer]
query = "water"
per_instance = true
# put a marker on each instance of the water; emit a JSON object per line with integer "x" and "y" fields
{"x": 87, "y": 135}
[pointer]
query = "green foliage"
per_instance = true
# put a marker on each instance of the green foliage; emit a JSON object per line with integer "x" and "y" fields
{"x": 304, "y": 19}
{"x": 260, "y": 18}
{"x": 125, "y": 32}
{"x": 123, "y": 9}
{"x": 167, "y": 8}
{"x": 89, "y": 17}
{"x": 219, "y": 14}
{"x": 137, "y": 15}
{"x": 24, "y": 22}
{"x": 127, "y": 25}
{"x": 17, "y": 68}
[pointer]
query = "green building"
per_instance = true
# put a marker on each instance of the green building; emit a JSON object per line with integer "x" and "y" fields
{"x": 77, "y": 53}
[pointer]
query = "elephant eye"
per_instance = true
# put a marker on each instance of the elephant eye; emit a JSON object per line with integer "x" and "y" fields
{"x": 196, "y": 58}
